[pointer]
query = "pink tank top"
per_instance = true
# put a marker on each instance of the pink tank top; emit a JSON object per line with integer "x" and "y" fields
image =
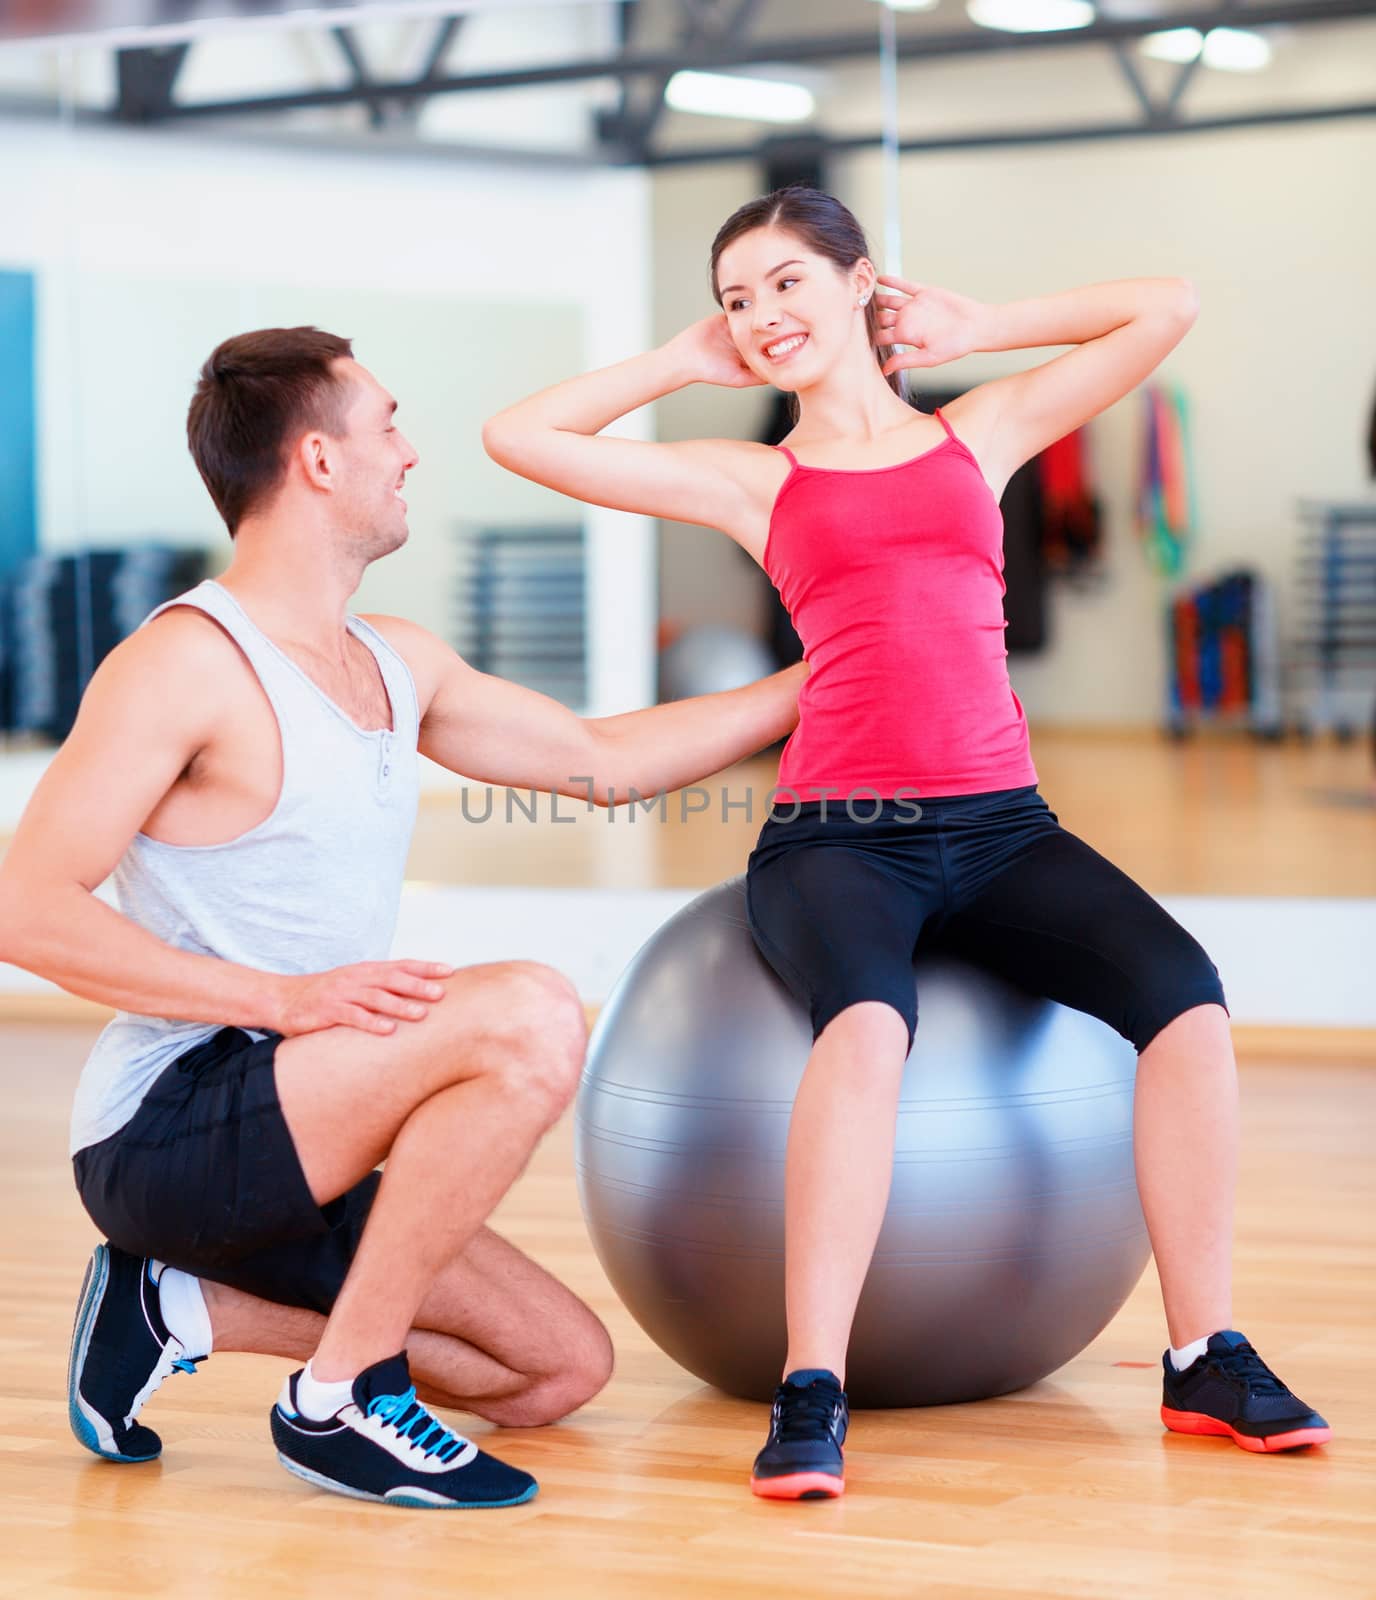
{"x": 893, "y": 577}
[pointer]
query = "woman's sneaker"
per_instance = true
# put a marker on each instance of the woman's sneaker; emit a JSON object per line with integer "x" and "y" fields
{"x": 1230, "y": 1390}
{"x": 121, "y": 1352}
{"x": 802, "y": 1457}
{"x": 384, "y": 1445}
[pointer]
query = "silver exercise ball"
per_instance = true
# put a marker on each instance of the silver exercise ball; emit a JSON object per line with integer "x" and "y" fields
{"x": 1013, "y": 1232}
{"x": 712, "y": 659}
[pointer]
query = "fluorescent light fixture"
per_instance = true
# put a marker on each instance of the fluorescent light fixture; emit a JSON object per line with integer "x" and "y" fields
{"x": 1129, "y": 10}
{"x": 1227, "y": 49}
{"x": 911, "y": 5}
{"x": 1030, "y": 16}
{"x": 1174, "y": 44}
{"x": 724, "y": 94}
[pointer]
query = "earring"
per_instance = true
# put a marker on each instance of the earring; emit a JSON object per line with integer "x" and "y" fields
{"x": 864, "y": 300}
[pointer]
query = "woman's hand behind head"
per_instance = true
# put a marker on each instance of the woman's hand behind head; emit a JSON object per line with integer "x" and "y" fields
{"x": 937, "y": 325}
{"x": 706, "y": 352}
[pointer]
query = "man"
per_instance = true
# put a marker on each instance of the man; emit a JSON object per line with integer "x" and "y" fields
{"x": 246, "y": 765}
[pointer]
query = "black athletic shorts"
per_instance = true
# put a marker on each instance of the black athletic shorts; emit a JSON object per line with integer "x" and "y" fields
{"x": 205, "y": 1177}
{"x": 837, "y": 905}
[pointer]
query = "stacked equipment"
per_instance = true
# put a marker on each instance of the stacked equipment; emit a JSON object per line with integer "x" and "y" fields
{"x": 60, "y": 616}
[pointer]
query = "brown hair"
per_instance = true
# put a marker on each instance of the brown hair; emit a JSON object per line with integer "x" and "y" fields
{"x": 257, "y": 394}
{"x": 826, "y": 227}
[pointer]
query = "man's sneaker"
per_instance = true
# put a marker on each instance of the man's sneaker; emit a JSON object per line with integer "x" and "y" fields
{"x": 802, "y": 1459}
{"x": 121, "y": 1351}
{"x": 384, "y": 1445}
{"x": 1230, "y": 1390}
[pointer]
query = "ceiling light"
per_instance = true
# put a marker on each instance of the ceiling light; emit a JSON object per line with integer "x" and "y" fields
{"x": 1175, "y": 44}
{"x": 1227, "y": 49}
{"x": 1129, "y": 10}
{"x": 724, "y": 94}
{"x": 1030, "y": 16}
{"x": 911, "y": 5}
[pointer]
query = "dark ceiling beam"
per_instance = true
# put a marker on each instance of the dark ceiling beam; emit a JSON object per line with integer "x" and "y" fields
{"x": 408, "y": 111}
{"x": 913, "y": 44}
{"x": 1183, "y": 79}
{"x": 439, "y": 47}
{"x": 628, "y": 17}
{"x": 1262, "y": 118}
{"x": 705, "y": 22}
{"x": 145, "y": 80}
{"x": 364, "y": 83}
{"x": 1151, "y": 112}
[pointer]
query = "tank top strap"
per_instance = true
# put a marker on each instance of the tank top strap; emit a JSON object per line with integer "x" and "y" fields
{"x": 792, "y": 459}
{"x": 274, "y": 674}
{"x": 217, "y": 602}
{"x": 942, "y": 420}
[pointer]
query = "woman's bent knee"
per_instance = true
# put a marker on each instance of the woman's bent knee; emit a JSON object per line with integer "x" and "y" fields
{"x": 868, "y": 1023}
{"x": 1208, "y": 1011}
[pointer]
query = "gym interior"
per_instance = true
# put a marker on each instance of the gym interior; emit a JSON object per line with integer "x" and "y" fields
{"x": 488, "y": 198}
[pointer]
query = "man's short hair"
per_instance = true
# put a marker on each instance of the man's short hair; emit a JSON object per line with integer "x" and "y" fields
{"x": 257, "y": 394}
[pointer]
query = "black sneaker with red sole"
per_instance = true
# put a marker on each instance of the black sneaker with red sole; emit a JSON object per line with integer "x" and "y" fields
{"x": 1229, "y": 1391}
{"x": 802, "y": 1457}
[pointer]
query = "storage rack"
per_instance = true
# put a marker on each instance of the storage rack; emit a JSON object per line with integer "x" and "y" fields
{"x": 520, "y": 607}
{"x": 61, "y": 615}
{"x": 1331, "y": 644}
{"x": 1222, "y": 665}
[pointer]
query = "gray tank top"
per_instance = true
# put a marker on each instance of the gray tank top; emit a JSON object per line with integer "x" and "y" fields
{"x": 316, "y": 885}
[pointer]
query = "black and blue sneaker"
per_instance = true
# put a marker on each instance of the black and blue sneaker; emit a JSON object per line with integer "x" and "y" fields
{"x": 121, "y": 1352}
{"x": 802, "y": 1457}
{"x": 384, "y": 1445}
{"x": 1230, "y": 1391}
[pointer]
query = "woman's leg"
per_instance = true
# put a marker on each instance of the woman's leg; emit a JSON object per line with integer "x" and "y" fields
{"x": 1185, "y": 1139}
{"x": 1063, "y": 921}
{"x": 840, "y": 927}
{"x": 840, "y": 1164}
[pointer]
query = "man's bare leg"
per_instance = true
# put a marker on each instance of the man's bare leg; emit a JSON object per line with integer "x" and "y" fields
{"x": 455, "y": 1102}
{"x": 496, "y": 1335}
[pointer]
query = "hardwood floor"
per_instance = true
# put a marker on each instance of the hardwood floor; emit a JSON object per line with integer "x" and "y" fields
{"x": 1070, "y": 1488}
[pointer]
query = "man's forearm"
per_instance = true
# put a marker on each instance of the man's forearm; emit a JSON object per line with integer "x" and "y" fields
{"x": 1079, "y": 315}
{"x": 665, "y": 747}
{"x": 91, "y": 950}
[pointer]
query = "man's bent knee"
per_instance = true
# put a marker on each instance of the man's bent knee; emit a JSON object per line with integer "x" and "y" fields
{"x": 553, "y": 1396}
{"x": 545, "y": 1036}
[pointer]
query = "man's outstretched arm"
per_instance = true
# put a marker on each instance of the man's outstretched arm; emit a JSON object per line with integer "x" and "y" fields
{"x": 499, "y": 732}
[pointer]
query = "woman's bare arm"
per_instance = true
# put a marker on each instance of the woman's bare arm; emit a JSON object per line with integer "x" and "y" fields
{"x": 1123, "y": 331}
{"x": 553, "y": 438}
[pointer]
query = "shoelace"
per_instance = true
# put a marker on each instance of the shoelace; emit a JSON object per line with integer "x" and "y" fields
{"x": 806, "y": 1413}
{"x": 179, "y": 1364}
{"x": 1246, "y": 1364}
{"x": 405, "y": 1413}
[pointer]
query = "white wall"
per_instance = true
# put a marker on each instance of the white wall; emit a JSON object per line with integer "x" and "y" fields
{"x": 1274, "y": 226}
{"x": 466, "y": 285}
{"x": 1292, "y": 961}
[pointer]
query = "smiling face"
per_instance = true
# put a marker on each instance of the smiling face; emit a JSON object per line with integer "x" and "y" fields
{"x": 374, "y": 461}
{"x": 791, "y": 312}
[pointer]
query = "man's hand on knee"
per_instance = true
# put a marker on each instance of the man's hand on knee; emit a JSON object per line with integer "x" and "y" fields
{"x": 370, "y": 995}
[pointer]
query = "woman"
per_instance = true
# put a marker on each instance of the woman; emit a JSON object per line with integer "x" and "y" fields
{"x": 880, "y": 528}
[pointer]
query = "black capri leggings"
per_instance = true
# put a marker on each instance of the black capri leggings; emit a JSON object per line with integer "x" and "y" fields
{"x": 838, "y": 903}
